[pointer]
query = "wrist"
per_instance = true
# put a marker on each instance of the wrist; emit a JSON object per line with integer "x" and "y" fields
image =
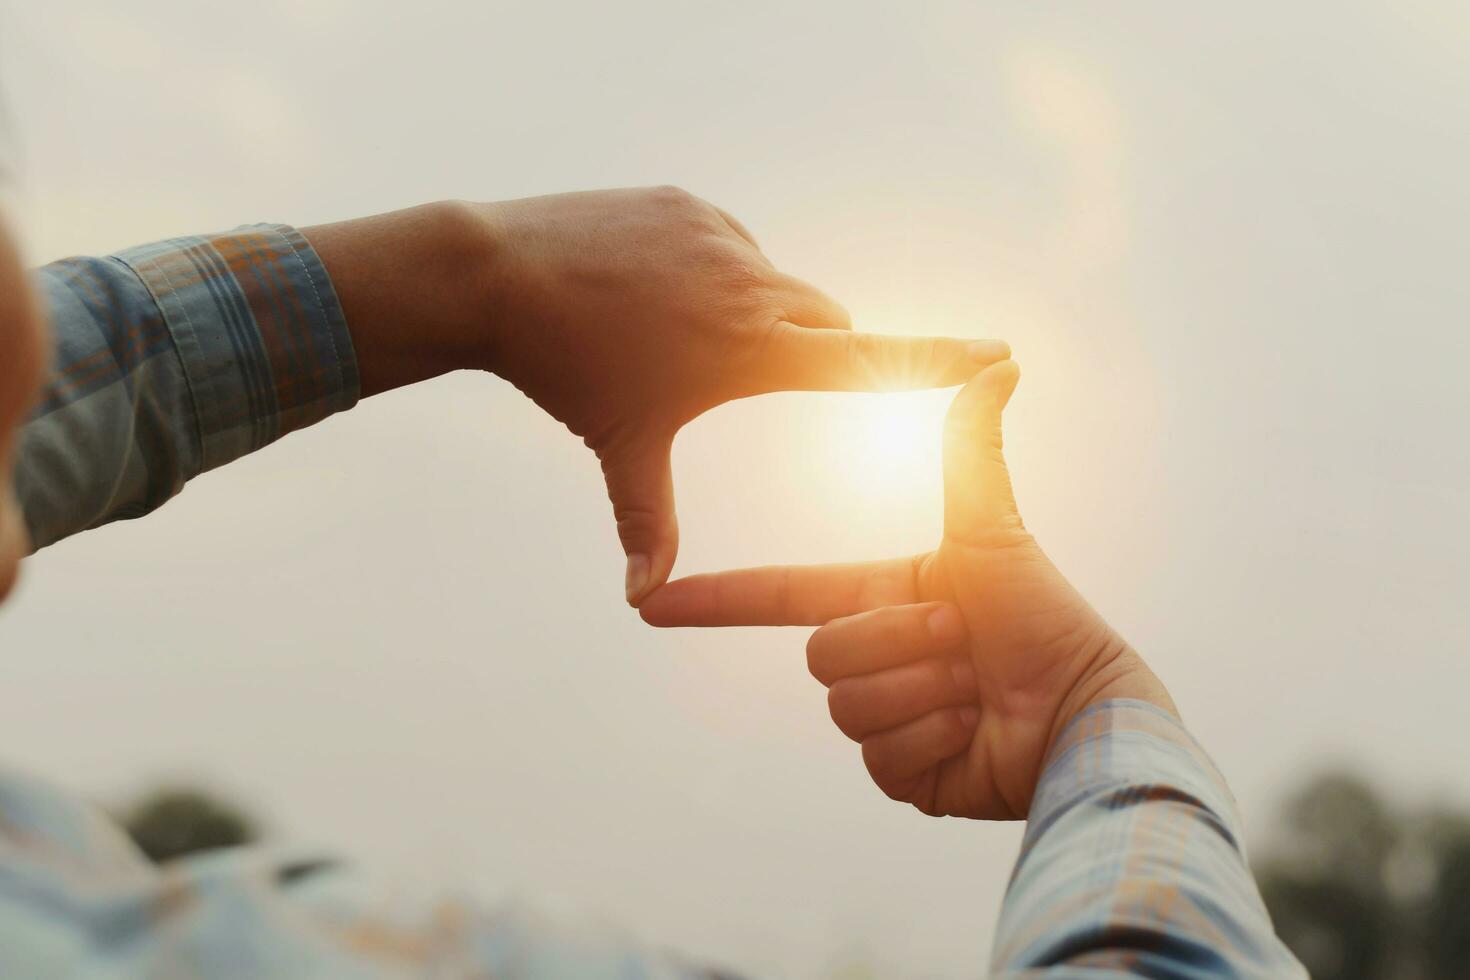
{"x": 415, "y": 287}
{"x": 1135, "y": 683}
{"x": 1114, "y": 671}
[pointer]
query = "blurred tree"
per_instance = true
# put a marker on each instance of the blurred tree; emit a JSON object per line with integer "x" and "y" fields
{"x": 1360, "y": 891}
{"x": 173, "y": 821}
{"x": 1447, "y": 917}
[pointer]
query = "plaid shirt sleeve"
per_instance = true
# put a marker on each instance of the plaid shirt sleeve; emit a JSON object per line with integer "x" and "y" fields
{"x": 1133, "y": 864}
{"x": 78, "y": 899}
{"x": 172, "y": 359}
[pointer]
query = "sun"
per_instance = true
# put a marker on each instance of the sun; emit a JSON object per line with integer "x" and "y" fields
{"x": 892, "y": 444}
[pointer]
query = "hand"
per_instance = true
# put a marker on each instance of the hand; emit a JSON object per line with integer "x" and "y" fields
{"x": 15, "y": 543}
{"x": 899, "y": 635}
{"x": 625, "y": 314}
{"x": 23, "y": 342}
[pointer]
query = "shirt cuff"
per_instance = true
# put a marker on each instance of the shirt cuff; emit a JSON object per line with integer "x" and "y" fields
{"x": 259, "y": 330}
{"x": 1140, "y": 749}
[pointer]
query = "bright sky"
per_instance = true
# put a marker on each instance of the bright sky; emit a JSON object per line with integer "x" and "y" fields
{"x": 1225, "y": 241}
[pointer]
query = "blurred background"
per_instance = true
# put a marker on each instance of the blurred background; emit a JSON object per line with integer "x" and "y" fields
{"x": 1225, "y": 242}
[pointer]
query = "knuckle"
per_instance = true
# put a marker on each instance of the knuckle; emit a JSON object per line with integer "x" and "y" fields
{"x": 636, "y": 523}
{"x": 865, "y": 347}
{"x": 791, "y": 602}
{"x": 1008, "y": 537}
{"x": 844, "y": 708}
{"x": 782, "y": 589}
{"x": 875, "y": 759}
{"x": 837, "y": 700}
{"x": 878, "y": 587}
{"x": 631, "y": 513}
{"x": 956, "y": 734}
{"x": 919, "y": 569}
{"x": 898, "y": 788}
{"x": 938, "y": 679}
{"x": 961, "y": 428}
{"x": 928, "y": 807}
{"x": 805, "y": 294}
{"x": 731, "y": 270}
{"x": 672, "y": 196}
{"x": 816, "y": 657}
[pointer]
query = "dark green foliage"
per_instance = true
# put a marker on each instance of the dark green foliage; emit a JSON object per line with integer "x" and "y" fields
{"x": 172, "y": 822}
{"x": 1448, "y": 916}
{"x": 1361, "y": 891}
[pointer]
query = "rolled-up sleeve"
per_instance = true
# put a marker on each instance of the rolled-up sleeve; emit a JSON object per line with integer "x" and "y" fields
{"x": 1133, "y": 864}
{"x": 171, "y": 359}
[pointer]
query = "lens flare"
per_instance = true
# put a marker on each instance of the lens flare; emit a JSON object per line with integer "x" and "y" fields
{"x": 892, "y": 445}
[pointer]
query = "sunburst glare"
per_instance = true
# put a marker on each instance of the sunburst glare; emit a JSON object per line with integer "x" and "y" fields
{"x": 891, "y": 449}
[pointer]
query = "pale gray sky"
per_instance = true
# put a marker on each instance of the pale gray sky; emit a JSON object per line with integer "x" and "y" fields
{"x": 1225, "y": 241}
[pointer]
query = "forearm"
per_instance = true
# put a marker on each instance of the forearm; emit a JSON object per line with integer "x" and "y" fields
{"x": 175, "y": 358}
{"x": 171, "y": 359}
{"x": 1133, "y": 862}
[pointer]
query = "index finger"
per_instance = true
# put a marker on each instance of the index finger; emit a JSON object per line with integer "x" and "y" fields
{"x": 789, "y": 595}
{"x": 800, "y": 359}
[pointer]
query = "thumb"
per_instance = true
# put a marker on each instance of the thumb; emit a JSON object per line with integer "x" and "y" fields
{"x": 640, "y": 484}
{"x": 979, "y": 507}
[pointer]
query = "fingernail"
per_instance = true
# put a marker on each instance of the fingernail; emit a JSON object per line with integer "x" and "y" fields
{"x": 989, "y": 350}
{"x": 945, "y": 624}
{"x": 964, "y": 678}
{"x": 969, "y": 715}
{"x": 636, "y": 578}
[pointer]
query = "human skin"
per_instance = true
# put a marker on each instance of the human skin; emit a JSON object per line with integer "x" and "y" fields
{"x": 955, "y": 669}
{"x": 22, "y": 340}
{"x": 627, "y": 313}
{"x": 623, "y": 313}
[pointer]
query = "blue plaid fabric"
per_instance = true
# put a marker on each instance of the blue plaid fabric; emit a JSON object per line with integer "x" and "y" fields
{"x": 172, "y": 359}
{"x": 181, "y": 356}
{"x": 1133, "y": 863}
